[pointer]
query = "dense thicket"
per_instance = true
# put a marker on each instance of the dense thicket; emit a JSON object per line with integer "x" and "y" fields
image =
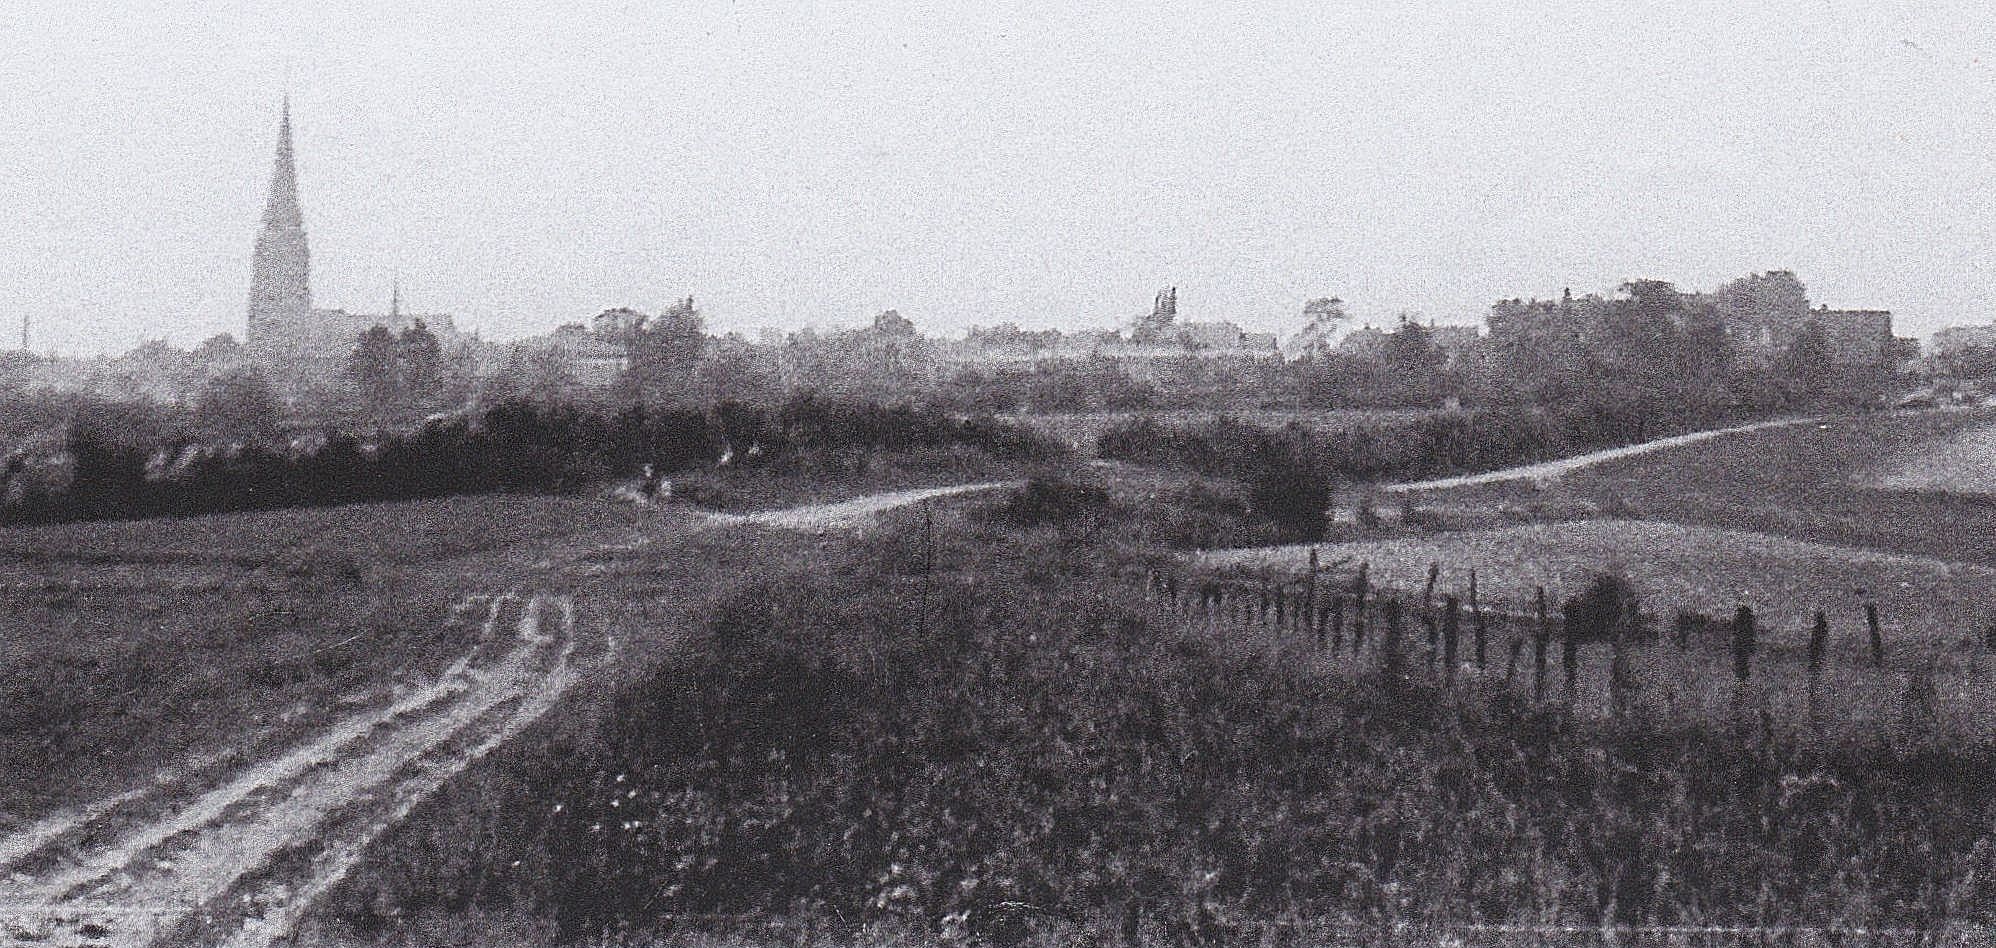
{"x": 122, "y": 473}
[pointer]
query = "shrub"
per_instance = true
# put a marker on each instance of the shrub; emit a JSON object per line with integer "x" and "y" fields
{"x": 1052, "y": 500}
{"x": 1604, "y": 610}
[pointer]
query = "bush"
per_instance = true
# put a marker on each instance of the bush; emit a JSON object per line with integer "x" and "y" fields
{"x": 1053, "y": 500}
{"x": 1604, "y": 610}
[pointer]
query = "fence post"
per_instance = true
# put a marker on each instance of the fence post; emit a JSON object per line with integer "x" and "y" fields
{"x": 1619, "y": 684}
{"x": 1428, "y": 609}
{"x": 1337, "y": 625}
{"x": 1476, "y": 620}
{"x": 1358, "y": 611}
{"x": 1877, "y": 637}
{"x": 1570, "y": 657}
{"x": 1313, "y": 625}
{"x": 1743, "y": 643}
{"x": 1541, "y": 635}
{"x": 1819, "y": 642}
{"x": 1391, "y": 658}
{"x": 1451, "y": 628}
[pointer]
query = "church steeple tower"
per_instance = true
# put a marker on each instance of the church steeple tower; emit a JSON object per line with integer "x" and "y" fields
{"x": 280, "y": 276}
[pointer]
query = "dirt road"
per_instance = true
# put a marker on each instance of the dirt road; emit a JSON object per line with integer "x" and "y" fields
{"x": 1552, "y": 469}
{"x": 235, "y": 848}
{"x": 849, "y": 513}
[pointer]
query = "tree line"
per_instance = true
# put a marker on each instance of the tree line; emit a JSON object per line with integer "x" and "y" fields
{"x": 116, "y": 471}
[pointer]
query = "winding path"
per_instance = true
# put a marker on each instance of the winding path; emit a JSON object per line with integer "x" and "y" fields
{"x": 1547, "y": 470}
{"x": 234, "y": 850}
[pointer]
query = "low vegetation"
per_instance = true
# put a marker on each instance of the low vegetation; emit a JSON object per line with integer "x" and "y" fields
{"x": 127, "y": 647}
{"x": 978, "y": 726}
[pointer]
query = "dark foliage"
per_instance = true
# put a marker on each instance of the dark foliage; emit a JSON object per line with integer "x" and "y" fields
{"x": 1285, "y": 476}
{"x": 516, "y": 446}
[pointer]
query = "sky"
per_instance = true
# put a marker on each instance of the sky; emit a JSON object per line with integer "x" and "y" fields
{"x": 521, "y": 165}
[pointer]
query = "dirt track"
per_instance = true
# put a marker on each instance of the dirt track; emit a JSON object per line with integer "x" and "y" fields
{"x": 1547, "y": 470}
{"x": 231, "y": 850}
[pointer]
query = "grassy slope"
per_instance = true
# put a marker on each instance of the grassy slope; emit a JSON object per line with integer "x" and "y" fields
{"x": 126, "y": 647}
{"x": 857, "y": 741}
{"x": 1802, "y": 482}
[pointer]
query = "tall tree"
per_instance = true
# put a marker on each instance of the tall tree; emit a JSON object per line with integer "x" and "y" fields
{"x": 664, "y": 352}
{"x": 374, "y": 368}
{"x": 1809, "y": 358}
{"x": 419, "y": 360}
{"x": 240, "y": 406}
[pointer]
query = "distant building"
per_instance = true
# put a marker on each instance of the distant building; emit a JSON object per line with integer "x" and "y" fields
{"x": 1764, "y": 312}
{"x": 1955, "y": 340}
{"x": 1155, "y": 336}
{"x": 286, "y": 337}
{"x": 1857, "y": 336}
{"x": 594, "y": 356}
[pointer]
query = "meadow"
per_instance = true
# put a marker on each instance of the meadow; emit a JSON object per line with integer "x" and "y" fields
{"x": 128, "y": 648}
{"x": 976, "y": 726}
{"x": 1815, "y": 483}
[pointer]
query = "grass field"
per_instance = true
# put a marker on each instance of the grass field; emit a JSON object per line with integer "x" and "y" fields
{"x": 1808, "y": 482}
{"x": 1962, "y": 464}
{"x": 1673, "y": 566}
{"x": 128, "y": 647}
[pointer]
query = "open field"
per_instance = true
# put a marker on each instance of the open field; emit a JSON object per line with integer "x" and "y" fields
{"x": 234, "y": 845}
{"x": 126, "y": 647}
{"x": 1962, "y": 464}
{"x": 1673, "y": 566}
{"x": 1804, "y": 482}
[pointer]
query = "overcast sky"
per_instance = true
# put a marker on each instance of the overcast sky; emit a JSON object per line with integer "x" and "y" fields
{"x": 523, "y": 165}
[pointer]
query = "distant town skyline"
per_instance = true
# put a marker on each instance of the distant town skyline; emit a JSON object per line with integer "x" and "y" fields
{"x": 525, "y": 167}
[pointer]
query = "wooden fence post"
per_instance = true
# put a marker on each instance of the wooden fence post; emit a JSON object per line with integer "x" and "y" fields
{"x": 1358, "y": 611}
{"x": 1619, "y": 683}
{"x": 1337, "y": 625}
{"x": 1744, "y": 643}
{"x": 1541, "y": 636}
{"x": 1476, "y": 620}
{"x": 1428, "y": 609}
{"x": 1451, "y": 628}
{"x": 1570, "y": 657}
{"x": 1391, "y": 659}
{"x": 1877, "y": 637}
{"x": 1819, "y": 642}
{"x": 1313, "y": 625}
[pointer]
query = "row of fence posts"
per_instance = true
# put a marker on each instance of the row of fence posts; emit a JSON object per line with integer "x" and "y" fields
{"x": 1294, "y": 605}
{"x": 1345, "y": 620}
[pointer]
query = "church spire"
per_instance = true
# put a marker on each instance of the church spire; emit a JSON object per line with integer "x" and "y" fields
{"x": 395, "y": 297}
{"x": 280, "y": 276}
